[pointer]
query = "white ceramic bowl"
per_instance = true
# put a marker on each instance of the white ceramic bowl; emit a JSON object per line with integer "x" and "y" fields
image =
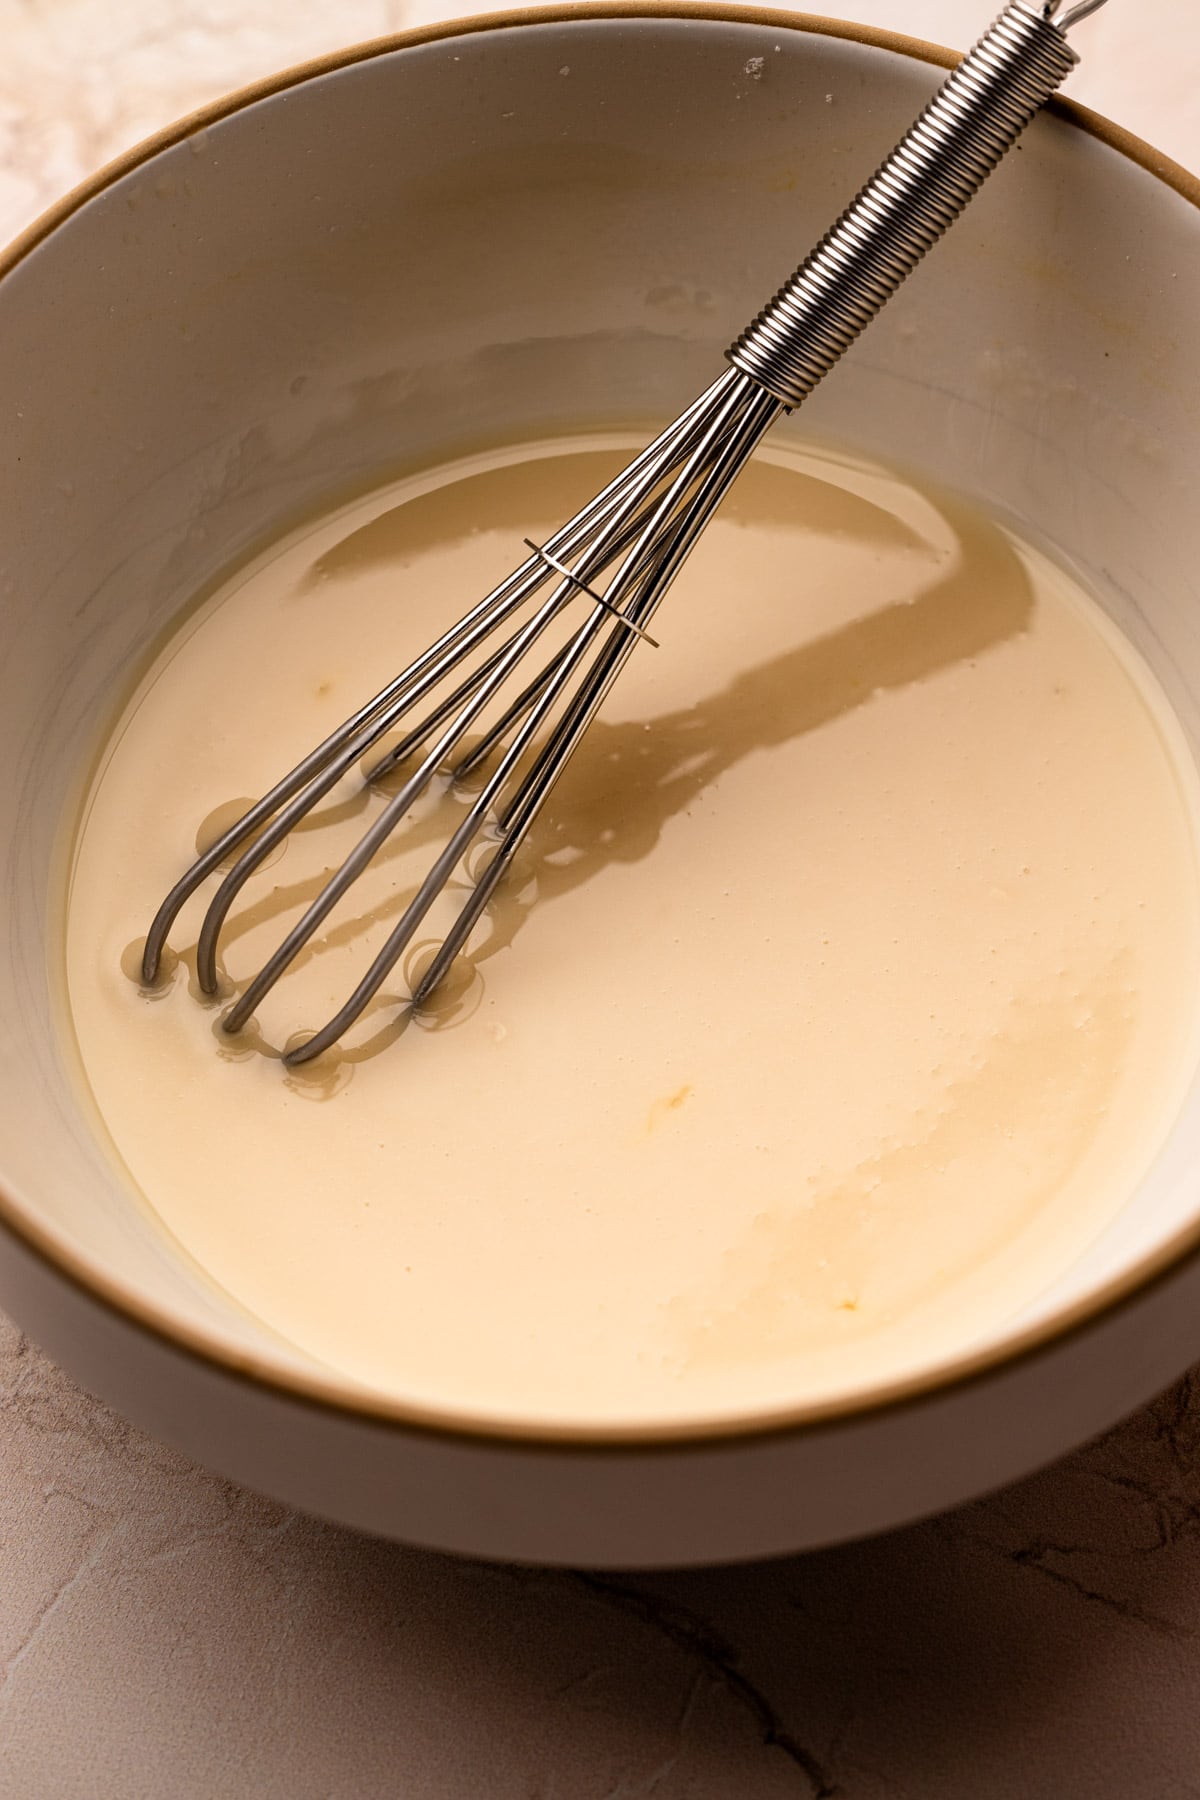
{"x": 446, "y": 237}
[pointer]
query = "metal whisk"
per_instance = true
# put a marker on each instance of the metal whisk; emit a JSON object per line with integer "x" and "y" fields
{"x": 634, "y": 537}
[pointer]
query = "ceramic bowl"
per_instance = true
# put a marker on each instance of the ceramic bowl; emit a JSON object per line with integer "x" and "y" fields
{"x": 493, "y": 229}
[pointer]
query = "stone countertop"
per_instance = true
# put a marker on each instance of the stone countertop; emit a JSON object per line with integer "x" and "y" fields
{"x": 166, "y": 1636}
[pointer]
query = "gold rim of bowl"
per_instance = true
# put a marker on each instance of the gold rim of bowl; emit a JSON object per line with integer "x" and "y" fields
{"x": 327, "y": 1393}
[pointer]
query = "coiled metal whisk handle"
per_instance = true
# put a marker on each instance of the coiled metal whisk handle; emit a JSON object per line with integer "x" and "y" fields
{"x": 916, "y": 196}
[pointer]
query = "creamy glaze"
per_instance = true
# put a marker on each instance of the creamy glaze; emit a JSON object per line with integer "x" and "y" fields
{"x": 843, "y": 994}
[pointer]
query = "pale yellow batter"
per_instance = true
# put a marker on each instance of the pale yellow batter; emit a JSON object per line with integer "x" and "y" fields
{"x": 843, "y": 995}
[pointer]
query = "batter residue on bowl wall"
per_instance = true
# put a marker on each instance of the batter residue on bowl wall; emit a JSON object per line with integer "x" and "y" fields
{"x": 843, "y": 995}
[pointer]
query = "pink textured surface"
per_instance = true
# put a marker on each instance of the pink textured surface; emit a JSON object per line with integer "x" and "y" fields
{"x": 165, "y": 1635}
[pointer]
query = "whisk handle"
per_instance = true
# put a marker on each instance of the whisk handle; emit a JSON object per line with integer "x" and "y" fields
{"x": 919, "y": 192}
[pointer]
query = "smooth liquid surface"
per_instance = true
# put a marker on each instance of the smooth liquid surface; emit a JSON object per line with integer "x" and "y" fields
{"x": 842, "y": 995}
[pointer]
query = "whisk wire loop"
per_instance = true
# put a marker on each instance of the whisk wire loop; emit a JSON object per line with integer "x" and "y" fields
{"x": 636, "y": 566}
{"x": 320, "y": 770}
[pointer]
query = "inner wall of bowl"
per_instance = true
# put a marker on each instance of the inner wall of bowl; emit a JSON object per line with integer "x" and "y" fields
{"x": 507, "y": 234}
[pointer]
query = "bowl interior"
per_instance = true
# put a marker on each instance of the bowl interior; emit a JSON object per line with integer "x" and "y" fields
{"x": 505, "y": 233}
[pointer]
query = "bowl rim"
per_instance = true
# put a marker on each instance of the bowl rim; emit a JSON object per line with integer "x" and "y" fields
{"x": 330, "y": 1394}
